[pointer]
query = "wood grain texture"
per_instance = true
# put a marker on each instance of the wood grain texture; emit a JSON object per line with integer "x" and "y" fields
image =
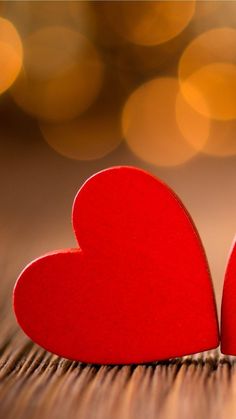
{"x": 36, "y": 384}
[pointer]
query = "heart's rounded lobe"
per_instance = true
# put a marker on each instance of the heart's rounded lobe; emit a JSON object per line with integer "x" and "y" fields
{"x": 138, "y": 289}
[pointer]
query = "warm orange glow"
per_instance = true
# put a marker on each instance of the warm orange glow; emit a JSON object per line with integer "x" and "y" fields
{"x": 30, "y": 16}
{"x": 150, "y": 127}
{"x": 90, "y": 136}
{"x": 209, "y": 66}
{"x": 83, "y": 15}
{"x": 220, "y": 134}
{"x": 11, "y": 54}
{"x": 207, "y": 8}
{"x": 221, "y": 139}
{"x": 137, "y": 62}
{"x": 62, "y": 76}
{"x": 194, "y": 127}
{"x": 149, "y": 22}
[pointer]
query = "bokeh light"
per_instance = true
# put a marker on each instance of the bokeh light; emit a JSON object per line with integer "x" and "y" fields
{"x": 149, "y": 22}
{"x": 11, "y": 54}
{"x": 63, "y": 74}
{"x": 83, "y": 16}
{"x": 221, "y": 141}
{"x": 137, "y": 62}
{"x": 92, "y": 135}
{"x": 221, "y": 138}
{"x": 150, "y": 126}
{"x": 206, "y": 8}
{"x": 208, "y": 65}
{"x": 64, "y": 79}
{"x": 30, "y": 16}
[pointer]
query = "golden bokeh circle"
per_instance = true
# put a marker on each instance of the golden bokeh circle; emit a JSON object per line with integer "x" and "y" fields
{"x": 207, "y": 9}
{"x": 221, "y": 138}
{"x": 150, "y": 126}
{"x": 30, "y": 16}
{"x": 149, "y": 22}
{"x": 90, "y": 136}
{"x": 208, "y": 65}
{"x": 63, "y": 74}
{"x": 11, "y": 54}
{"x": 221, "y": 141}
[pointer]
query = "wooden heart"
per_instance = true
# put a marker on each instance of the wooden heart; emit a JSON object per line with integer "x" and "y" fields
{"x": 137, "y": 289}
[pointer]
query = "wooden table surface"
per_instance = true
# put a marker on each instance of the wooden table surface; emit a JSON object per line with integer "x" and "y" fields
{"x": 36, "y": 384}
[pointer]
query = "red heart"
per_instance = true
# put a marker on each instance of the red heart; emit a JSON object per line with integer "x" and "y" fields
{"x": 228, "y": 309}
{"x": 137, "y": 290}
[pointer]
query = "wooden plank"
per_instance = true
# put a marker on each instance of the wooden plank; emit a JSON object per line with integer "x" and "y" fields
{"x": 36, "y": 384}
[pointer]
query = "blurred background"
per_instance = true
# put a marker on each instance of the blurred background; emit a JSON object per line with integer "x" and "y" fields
{"x": 89, "y": 84}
